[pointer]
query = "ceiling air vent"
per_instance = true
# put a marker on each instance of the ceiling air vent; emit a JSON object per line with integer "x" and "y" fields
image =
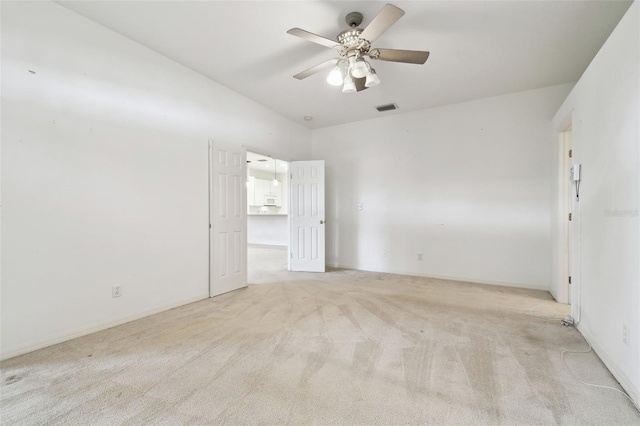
{"x": 388, "y": 107}
{"x": 261, "y": 160}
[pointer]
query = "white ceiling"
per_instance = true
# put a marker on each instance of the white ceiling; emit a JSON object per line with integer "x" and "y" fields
{"x": 478, "y": 48}
{"x": 265, "y": 163}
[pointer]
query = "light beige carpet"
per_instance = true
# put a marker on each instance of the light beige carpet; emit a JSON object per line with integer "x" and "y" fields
{"x": 344, "y": 347}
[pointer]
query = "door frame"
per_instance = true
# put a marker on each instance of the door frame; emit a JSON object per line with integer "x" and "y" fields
{"x": 248, "y": 148}
{"x": 568, "y": 242}
{"x": 564, "y": 225}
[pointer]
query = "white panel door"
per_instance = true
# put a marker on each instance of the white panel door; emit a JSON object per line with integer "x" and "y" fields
{"x": 228, "y": 218}
{"x": 306, "y": 218}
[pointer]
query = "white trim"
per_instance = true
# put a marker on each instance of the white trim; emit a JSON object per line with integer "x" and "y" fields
{"x": 273, "y": 246}
{"x": 93, "y": 328}
{"x": 561, "y": 290}
{"x": 266, "y": 153}
{"x": 576, "y": 264}
{"x": 440, "y": 277}
{"x": 624, "y": 381}
{"x": 209, "y": 195}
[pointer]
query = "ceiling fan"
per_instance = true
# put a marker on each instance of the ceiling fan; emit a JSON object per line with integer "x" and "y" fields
{"x": 350, "y": 69}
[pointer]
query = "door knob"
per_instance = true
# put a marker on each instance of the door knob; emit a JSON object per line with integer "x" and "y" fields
{"x": 322, "y": 222}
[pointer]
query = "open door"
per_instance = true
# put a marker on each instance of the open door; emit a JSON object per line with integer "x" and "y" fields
{"x": 227, "y": 218}
{"x": 306, "y": 218}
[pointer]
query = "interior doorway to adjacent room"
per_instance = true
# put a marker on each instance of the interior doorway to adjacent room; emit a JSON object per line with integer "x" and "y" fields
{"x": 267, "y": 216}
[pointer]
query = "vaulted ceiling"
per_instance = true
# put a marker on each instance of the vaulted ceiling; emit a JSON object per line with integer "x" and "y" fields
{"x": 478, "y": 48}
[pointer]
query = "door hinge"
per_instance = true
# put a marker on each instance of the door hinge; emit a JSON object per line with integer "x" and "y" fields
{"x": 209, "y": 226}
{"x": 569, "y": 279}
{"x": 292, "y": 255}
{"x": 570, "y": 153}
{"x": 291, "y": 175}
{"x": 570, "y": 216}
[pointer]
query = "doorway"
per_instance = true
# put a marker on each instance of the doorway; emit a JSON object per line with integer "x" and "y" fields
{"x": 267, "y": 184}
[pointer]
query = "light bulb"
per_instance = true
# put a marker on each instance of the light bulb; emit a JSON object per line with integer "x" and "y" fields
{"x": 275, "y": 182}
{"x": 359, "y": 69}
{"x": 335, "y": 77}
{"x": 349, "y": 85}
{"x": 372, "y": 79}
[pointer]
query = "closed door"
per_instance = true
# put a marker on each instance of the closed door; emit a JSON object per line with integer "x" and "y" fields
{"x": 227, "y": 218}
{"x": 306, "y": 218}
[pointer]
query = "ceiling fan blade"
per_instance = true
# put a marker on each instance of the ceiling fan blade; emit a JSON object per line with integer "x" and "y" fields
{"x": 317, "y": 68}
{"x": 312, "y": 37}
{"x": 381, "y": 23}
{"x": 359, "y": 82}
{"x": 395, "y": 55}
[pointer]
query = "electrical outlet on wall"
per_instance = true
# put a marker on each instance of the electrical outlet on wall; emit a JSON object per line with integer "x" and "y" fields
{"x": 116, "y": 291}
{"x": 384, "y": 253}
{"x": 359, "y": 207}
{"x": 625, "y": 334}
{"x": 420, "y": 257}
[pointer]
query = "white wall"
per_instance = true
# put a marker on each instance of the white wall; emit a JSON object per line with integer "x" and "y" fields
{"x": 467, "y": 185}
{"x": 604, "y": 110}
{"x": 104, "y": 174}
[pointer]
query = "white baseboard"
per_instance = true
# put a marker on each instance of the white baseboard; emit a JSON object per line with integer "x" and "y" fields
{"x": 440, "y": 277}
{"x": 83, "y": 331}
{"x": 611, "y": 365}
{"x": 273, "y": 246}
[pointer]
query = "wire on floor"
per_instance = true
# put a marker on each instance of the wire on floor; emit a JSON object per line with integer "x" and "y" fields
{"x": 592, "y": 384}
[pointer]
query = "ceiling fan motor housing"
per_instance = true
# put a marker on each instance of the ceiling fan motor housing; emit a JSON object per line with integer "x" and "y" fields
{"x": 350, "y": 41}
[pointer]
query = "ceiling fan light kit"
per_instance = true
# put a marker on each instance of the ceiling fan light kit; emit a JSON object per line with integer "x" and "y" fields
{"x": 335, "y": 77}
{"x": 354, "y": 46}
{"x": 355, "y": 69}
{"x": 358, "y": 67}
{"x": 349, "y": 85}
{"x": 372, "y": 79}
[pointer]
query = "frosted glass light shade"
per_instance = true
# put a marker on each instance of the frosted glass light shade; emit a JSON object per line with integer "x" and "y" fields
{"x": 359, "y": 69}
{"x": 349, "y": 85}
{"x": 335, "y": 77}
{"x": 372, "y": 79}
